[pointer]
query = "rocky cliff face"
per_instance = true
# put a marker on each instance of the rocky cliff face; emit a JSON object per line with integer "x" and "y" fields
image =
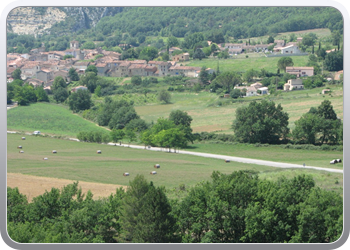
{"x": 39, "y": 20}
{"x": 28, "y": 20}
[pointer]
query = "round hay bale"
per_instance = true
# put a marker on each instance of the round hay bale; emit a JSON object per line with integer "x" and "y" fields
{"x": 153, "y": 173}
{"x": 339, "y": 160}
{"x": 54, "y": 151}
{"x": 126, "y": 174}
{"x": 99, "y": 151}
{"x": 20, "y": 147}
{"x": 45, "y": 158}
{"x": 23, "y": 138}
{"x": 157, "y": 166}
{"x": 227, "y": 161}
{"x": 21, "y": 151}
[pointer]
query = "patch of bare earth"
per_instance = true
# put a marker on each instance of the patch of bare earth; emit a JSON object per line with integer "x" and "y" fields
{"x": 33, "y": 186}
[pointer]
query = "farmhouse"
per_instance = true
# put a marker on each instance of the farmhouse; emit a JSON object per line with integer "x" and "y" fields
{"x": 293, "y": 84}
{"x": 181, "y": 57}
{"x": 251, "y": 91}
{"x": 291, "y": 49}
{"x": 300, "y": 71}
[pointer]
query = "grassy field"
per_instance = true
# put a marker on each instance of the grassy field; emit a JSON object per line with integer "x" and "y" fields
{"x": 79, "y": 161}
{"x": 49, "y": 119}
{"x": 208, "y": 116}
{"x": 256, "y": 61}
{"x": 316, "y": 158}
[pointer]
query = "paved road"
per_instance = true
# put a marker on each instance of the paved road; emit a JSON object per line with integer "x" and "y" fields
{"x": 237, "y": 159}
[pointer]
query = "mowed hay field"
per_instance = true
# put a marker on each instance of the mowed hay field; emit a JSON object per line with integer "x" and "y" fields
{"x": 79, "y": 161}
{"x": 103, "y": 173}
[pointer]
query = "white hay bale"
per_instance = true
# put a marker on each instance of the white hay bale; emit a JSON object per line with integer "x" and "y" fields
{"x": 99, "y": 151}
{"x": 333, "y": 161}
{"x": 23, "y": 138}
{"x": 45, "y": 158}
{"x": 126, "y": 174}
{"x": 21, "y": 151}
{"x": 227, "y": 161}
{"x": 157, "y": 166}
{"x": 54, "y": 151}
{"x": 20, "y": 147}
{"x": 339, "y": 160}
{"x": 153, "y": 173}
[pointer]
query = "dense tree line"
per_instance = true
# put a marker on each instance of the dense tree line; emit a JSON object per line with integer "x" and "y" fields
{"x": 132, "y": 25}
{"x": 231, "y": 208}
{"x": 24, "y": 93}
{"x": 265, "y": 122}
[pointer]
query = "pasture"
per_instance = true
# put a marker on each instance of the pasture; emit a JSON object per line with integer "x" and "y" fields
{"x": 208, "y": 116}
{"x": 49, "y": 119}
{"x": 240, "y": 63}
{"x": 77, "y": 161}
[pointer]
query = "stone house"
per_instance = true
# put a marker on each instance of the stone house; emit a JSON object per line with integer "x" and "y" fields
{"x": 81, "y": 65}
{"x": 162, "y": 67}
{"x": 300, "y": 71}
{"x": 141, "y": 70}
{"x": 293, "y": 84}
{"x": 44, "y": 75}
{"x": 251, "y": 91}
{"x": 181, "y": 57}
{"x": 184, "y": 70}
{"x": 121, "y": 70}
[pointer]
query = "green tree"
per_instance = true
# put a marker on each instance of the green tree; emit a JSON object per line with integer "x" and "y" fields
{"x": 198, "y": 54}
{"x": 336, "y": 37}
{"x": 164, "y": 96}
{"x": 148, "y": 53}
{"x": 172, "y": 41}
{"x": 41, "y": 94}
{"x": 334, "y": 61}
{"x": 80, "y": 100}
{"x": 122, "y": 116}
{"x": 60, "y": 94}
{"x": 262, "y": 122}
{"x": 156, "y": 224}
{"x": 73, "y": 75}
{"x": 319, "y": 126}
{"x": 270, "y": 40}
{"x": 228, "y": 80}
{"x": 130, "y": 135}
{"x": 88, "y": 45}
{"x": 309, "y": 39}
{"x": 91, "y": 68}
{"x": 58, "y": 82}
{"x": 67, "y": 56}
{"x": 16, "y": 74}
{"x": 284, "y": 62}
{"x": 90, "y": 79}
{"x": 117, "y": 135}
{"x": 204, "y": 75}
{"x": 136, "y": 80}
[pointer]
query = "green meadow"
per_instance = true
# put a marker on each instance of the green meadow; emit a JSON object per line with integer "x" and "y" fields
{"x": 240, "y": 63}
{"x": 48, "y": 119}
{"x": 211, "y": 113}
